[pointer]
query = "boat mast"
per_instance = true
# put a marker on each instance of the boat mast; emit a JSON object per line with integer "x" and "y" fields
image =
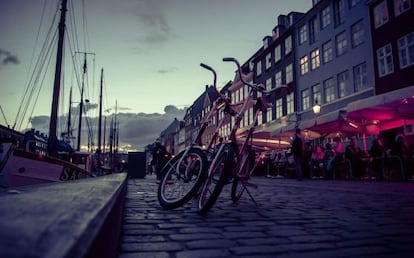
{"x": 70, "y": 113}
{"x": 100, "y": 115}
{"x": 56, "y": 87}
{"x": 81, "y": 104}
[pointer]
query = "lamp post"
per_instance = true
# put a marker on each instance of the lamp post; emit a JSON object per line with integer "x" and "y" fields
{"x": 316, "y": 108}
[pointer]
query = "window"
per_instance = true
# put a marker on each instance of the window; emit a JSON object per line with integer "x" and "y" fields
{"x": 303, "y": 34}
{"x": 339, "y": 12}
{"x": 342, "y": 84}
{"x": 268, "y": 60}
{"x": 278, "y": 79}
{"x": 315, "y": 59}
{"x": 352, "y": 3}
{"x": 290, "y": 103}
{"x": 288, "y": 45}
{"x": 357, "y": 34}
{"x": 277, "y": 54}
{"x": 269, "y": 114}
{"x": 329, "y": 88}
{"x": 327, "y": 51}
{"x": 380, "y": 14}
{"x": 401, "y": 6}
{"x": 316, "y": 93}
{"x": 385, "y": 64}
{"x": 341, "y": 43}
{"x": 305, "y": 99}
{"x": 259, "y": 68}
{"x": 289, "y": 73}
{"x": 325, "y": 17}
{"x": 279, "y": 109}
{"x": 304, "y": 65}
{"x": 406, "y": 50}
{"x": 360, "y": 77}
{"x": 269, "y": 84}
{"x": 312, "y": 30}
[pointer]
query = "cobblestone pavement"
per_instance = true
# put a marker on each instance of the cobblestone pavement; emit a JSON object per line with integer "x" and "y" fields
{"x": 309, "y": 218}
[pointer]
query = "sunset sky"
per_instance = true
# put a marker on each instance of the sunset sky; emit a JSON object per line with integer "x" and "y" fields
{"x": 150, "y": 51}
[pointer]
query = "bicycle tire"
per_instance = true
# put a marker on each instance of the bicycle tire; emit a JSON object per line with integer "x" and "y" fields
{"x": 218, "y": 175}
{"x": 178, "y": 186}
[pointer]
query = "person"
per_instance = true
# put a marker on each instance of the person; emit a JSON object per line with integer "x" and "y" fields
{"x": 353, "y": 154}
{"x": 328, "y": 160}
{"x": 158, "y": 158}
{"x": 377, "y": 154}
{"x": 317, "y": 161}
{"x": 297, "y": 152}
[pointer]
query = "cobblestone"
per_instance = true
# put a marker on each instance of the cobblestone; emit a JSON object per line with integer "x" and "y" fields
{"x": 323, "y": 218}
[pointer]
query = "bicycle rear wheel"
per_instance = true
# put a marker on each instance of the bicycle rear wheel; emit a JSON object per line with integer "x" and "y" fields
{"x": 181, "y": 178}
{"x": 218, "y": 175}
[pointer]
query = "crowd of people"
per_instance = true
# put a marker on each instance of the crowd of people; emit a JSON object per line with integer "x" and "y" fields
{"x": 324, "y": 160}
{"x": 377, "y": 162}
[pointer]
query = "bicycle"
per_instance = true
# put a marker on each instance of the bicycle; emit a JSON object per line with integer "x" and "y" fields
{"x": 182, "y": 177}
{"x": 233, "y": 161}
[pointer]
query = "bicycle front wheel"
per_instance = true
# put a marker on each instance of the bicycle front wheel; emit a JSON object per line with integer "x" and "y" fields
{"x": 218, "y": 175}
{"x": 181, "y": 178}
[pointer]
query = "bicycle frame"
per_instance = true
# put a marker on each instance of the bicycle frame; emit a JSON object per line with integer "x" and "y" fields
{"x": 259, "y": 105}
{"x": 218, "y": 105}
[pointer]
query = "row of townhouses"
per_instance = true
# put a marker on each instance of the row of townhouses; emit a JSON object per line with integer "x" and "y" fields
{"x": 354, "y": 59}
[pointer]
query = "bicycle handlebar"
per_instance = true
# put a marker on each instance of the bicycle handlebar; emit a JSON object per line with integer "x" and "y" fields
{"x": 234, "y": 60}
{"x": 214, "y": 73}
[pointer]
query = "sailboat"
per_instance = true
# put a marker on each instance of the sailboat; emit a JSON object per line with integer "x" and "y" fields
{"x": 20, "y": 166}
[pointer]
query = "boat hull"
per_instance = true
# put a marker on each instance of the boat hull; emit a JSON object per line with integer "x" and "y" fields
{"x": 25, "y": 168}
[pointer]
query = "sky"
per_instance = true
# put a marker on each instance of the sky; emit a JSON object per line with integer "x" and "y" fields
{"x": 150, "y": 51}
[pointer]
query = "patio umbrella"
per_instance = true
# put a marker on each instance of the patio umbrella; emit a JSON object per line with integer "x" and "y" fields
{"x": 388, "y": 110}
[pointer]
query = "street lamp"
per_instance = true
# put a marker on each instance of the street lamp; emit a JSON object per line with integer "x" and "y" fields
{"x": 316, "y": 107}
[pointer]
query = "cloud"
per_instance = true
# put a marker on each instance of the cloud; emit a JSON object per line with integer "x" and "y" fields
{"x": 167, "y": 70}
{"x": 152, "y": 19}
{"x": 7, "y": 58}
{"x": 135, "y": 129}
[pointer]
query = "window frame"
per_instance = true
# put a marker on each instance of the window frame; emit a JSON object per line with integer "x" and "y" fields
{"x": 327, "y": 52}
{"x": 329, "y": 90}
{"x": 325, "y": 17}
{"x": 385, "y": 17}
{"x": 341, "y": 46}
{"x": 398, "y": 11}
{"x": 315, "y": 59}
{"x": 385, "y": 60}
{"x": 304, "y": 65}
{"x": 404, "y": 51}
{"x": 357, "y": 33}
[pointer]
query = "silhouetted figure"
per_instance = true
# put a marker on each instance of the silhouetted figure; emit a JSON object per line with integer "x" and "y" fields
{"x": 378, "y": 159}
{"x": 159, "y": 158}
{"x": 328, "y": 160}
{"x": 297, "y": 152}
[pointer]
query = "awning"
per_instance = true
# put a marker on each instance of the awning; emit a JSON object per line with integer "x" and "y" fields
{"x": 333, "y": 123}
{"x": 388, "y": 110}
